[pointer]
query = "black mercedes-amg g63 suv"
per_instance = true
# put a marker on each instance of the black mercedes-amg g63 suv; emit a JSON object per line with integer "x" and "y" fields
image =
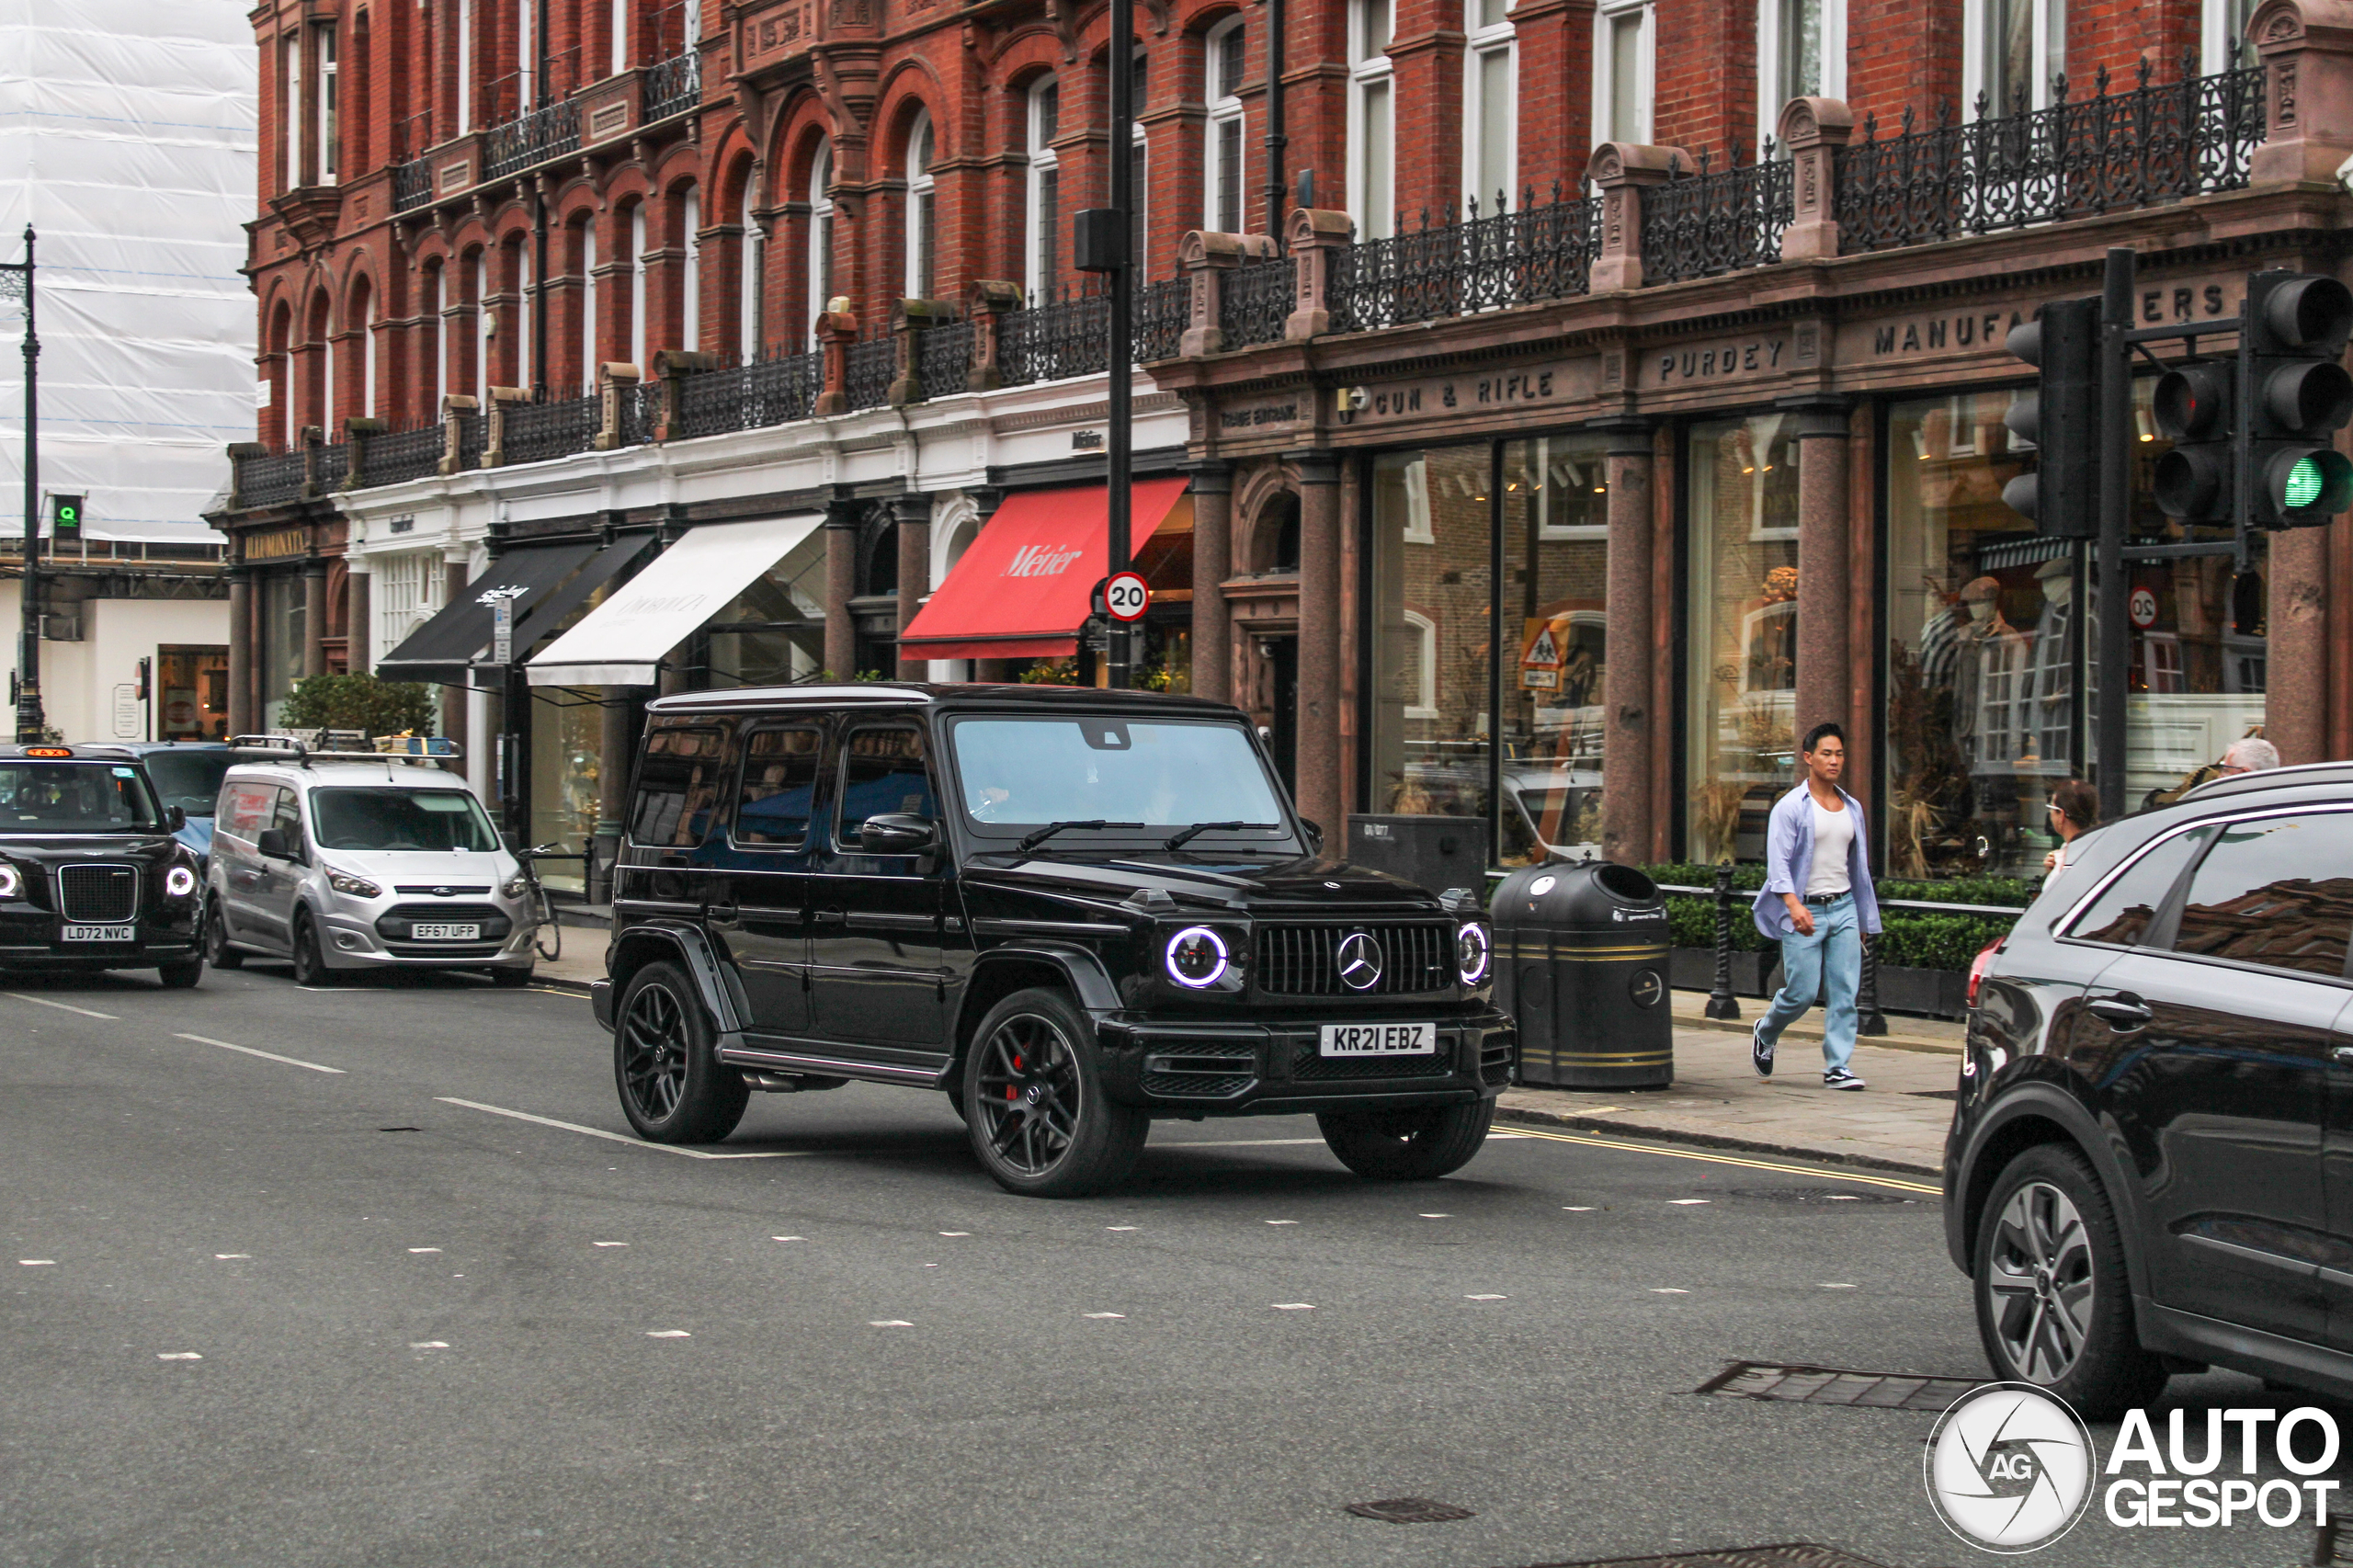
{"x": 90, "y": 875}
{"x": 1074, "y": 910}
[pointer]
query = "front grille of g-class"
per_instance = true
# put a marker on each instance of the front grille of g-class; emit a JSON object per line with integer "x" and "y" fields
{"x": 1304, "y": 961}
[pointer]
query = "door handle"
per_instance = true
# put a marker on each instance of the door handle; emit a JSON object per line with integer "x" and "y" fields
{"x": 2341, "y": 1053}
{"x": 831, "y": 916}
{"x": 2123, "y": 1013}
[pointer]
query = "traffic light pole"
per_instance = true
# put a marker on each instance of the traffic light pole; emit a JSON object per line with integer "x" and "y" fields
{"x": 2115, "y": 516}
{"x": 30, "y": 720}
{"x": 1118, "y": 434}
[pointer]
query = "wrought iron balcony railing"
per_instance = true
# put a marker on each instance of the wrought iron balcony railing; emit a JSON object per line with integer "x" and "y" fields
{"x": 1708, "y": 223}
{"x": 333, "y": 467}
{"x": 399, "y": 455}
{"x": 531, "y": 139}
{"x": 1543, "y": 250}
{"x": 473, "y": 439}
{"x": 411, "y": 184}
{"x": 2112, "y": 151}
{"x": 673, "y": 86}
{"x": 272, "y": 479}
{"x": 944, "y": 358}
{"x": 534, "y": 432}
{"x": 873, "y": 365}
{"x": 1256, "y": 300}
{"x": 1161, "y": 310}
{"x": 750, "y": 397}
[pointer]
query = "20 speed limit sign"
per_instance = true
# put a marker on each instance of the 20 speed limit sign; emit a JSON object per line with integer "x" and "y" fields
{"x": 1126, "y": 597}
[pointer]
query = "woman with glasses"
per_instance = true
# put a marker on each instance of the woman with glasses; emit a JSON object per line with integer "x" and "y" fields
{"x": 2075, "y": 812}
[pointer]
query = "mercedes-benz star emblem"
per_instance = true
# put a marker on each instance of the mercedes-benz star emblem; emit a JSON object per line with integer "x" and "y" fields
{"x": 1360, "y": 961}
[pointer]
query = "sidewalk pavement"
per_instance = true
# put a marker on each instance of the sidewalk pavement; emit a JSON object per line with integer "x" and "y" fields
{"x": 1897, "y": 1124}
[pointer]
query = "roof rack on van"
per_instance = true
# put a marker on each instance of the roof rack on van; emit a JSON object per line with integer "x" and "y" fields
{"x": 387, "y": 748}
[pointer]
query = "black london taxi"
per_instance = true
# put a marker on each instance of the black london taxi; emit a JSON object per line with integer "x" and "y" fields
{"x": 90, "y": 875}
{"x": 2147, "y": 1172}
{"x": 1073, "y": 911}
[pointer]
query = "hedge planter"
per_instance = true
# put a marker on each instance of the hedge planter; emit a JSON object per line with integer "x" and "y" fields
{"x": 1922, "y": 993}
{"x": 1932, "y": 993}
{"x": 1694, "y": 968}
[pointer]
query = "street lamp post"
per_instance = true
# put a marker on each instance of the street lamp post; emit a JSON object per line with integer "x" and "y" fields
{"x": 1119, "y": 433}
{"x": 16, "y": 283}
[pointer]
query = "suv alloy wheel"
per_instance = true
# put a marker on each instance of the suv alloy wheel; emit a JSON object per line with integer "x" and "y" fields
{"x": 2054, "y": 1303}
{"x": 674, "y": 1087}
{"x": 1034, "y": 1104}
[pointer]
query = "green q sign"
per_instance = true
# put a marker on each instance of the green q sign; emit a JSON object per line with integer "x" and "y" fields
{"x": 66, "y": 516}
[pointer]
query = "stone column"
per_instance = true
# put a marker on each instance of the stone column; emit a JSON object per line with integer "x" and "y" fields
{"x": 1319, "y": 644}
{"x": 2306, "y": 47}
{"x": 2295, "y": 708}
{"x": 1317, "y": 238}
{"x": 913, "y": 514}
{"x": 1627, "y": 724}
{"x": 841, "y": 584}
{"x": 314, "y": 616}
{"x": 1212, "y": 563}
{"x": 837, "y": 330}
{"x": 240, "y": 650}
{"x": 358, "y": 633}
{"x": 1813, "y": 130}
{"x": 613, "y": 759}
{"x": 990, "y": 304}
{"x": 1824, "y": 590}
{"x": 1623, "y": 170}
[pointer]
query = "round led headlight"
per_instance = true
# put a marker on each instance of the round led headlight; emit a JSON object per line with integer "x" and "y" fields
{"x": 178, "y": 882}
{"x": 1471, "y": 951}
{"x": 1196, "y": 957}
{"x": 12, "y": 882}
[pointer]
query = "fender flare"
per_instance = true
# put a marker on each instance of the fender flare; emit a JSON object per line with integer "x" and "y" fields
{"x": 714, "y": 981}
{"x": 2051, "y": 1102}
{"x": 1089, "y": 981}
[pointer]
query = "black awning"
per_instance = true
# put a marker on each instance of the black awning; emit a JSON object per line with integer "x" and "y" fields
{"x": 445, "y": 648}
{"x": 544, "y": 614}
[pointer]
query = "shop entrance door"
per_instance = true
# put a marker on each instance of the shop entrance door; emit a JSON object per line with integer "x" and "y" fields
{"x": 1282, "y": 662}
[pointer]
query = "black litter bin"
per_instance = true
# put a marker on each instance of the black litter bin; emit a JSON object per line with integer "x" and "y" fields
{"x": 1581, "y": 963}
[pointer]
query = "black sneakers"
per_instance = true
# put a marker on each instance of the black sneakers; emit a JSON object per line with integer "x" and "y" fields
{"x": 1839, "y": 1078}
{"x": 1760, "y": 1053}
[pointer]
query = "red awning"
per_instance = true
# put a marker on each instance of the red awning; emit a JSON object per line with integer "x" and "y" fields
{"x": 1021, "y": 590}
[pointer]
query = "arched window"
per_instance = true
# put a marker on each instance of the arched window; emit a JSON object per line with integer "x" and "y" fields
{"x": 754, "y": 250}
{"x": 588, "y": 305}
{"x": 820, "y": 235}
{"x": 1044, "y": 188}
{"x": 1372, "y": 132}
{"x": 436, "y": 337}
{"x": 359, "y": 317}
{"x": 690, "y": 275}
{"x": 920, "y": 209}
{"x": 1489, "y": 103}
{"x": 619, "y": 25}
{"x": 484, "y": 324}
{"x": 637, "y": 287}
{"x": 1222, "y": 165}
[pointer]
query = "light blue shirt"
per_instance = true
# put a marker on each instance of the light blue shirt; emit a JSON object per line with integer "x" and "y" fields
{"x": 1789, "y": 859}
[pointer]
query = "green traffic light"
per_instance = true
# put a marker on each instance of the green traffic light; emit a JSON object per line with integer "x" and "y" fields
{"x": 2305, "y": 483}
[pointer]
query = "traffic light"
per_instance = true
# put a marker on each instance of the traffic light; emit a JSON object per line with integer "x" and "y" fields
{"x": 2195, "y": 483}
{"x": 2060, "y": 418}
{"x": 2297, "y": 324}
{"x": 65, "y": 516}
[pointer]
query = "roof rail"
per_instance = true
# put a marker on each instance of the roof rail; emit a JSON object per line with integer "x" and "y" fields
{"x": 388, "y": 748}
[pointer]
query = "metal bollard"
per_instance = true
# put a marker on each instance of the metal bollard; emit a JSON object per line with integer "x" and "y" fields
{"x": 1869, "y": 1019}
{"x": 1720, "y": 1001}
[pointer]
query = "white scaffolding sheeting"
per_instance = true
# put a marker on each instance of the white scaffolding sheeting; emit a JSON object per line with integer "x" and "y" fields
{"x": 128, "y": 140}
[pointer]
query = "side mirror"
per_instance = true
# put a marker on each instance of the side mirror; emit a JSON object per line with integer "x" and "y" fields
{"x": 271, "y": 842}
{"x": 1315, "y": 834}
{"x": 175, "y": 819}
{"x": 897, "y": 833}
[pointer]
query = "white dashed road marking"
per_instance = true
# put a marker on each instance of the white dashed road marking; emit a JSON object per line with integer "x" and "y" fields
{"x": 1686, "y": 1201}
{"x": 888, "y": 1323}
{"x": 1668, "y": 1290}
{"x": 37, "y": 1261}
{"x": 230, "y": 1256}
{"x": 667, "y": 1333}
{"x": 609, "y": 1243}
{"x": 429, "y": 1345}
{"x": 177, "y": 1356}
{"x": 1830, "y": 1287}
{"x": 1294, "y": 1306}
{"x": 264, "y": 1055}
{"x": 1282, "y": 1221}
{"x": 1107, "y": 1314}
{"x": 425, "y": 1249}
{"x": 66, "y": 1007}
{"x": 623, "y": 1138}
{"x": 788, "y": 1238}
{"x": 1119, "y": 1227}
{"x": 1577, "y": 1208}
{"x": 1482, "y": 1298}
{"x": 955, "y": 1232}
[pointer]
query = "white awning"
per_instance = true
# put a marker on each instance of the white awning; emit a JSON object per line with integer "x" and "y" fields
{"x": 622, "y": 641}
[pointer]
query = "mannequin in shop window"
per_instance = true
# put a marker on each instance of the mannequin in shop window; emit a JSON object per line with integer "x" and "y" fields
{"x": 1991, "y": 671}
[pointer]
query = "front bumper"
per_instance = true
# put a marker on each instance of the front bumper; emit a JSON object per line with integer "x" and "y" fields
{"x": 34, "y": 937}
{"x": 352, "y": 935}
{"x": 1273, "y": 1068}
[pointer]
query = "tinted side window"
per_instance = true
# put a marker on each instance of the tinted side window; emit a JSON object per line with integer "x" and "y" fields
{"x": 2276, "y": 891}
{"x": 678, "y": 787}
{"x": 779, "y": 782}
{"x": 2122, "y": 913}
{"x": 882, "y": 771}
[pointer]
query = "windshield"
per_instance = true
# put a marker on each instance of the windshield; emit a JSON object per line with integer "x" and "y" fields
{"x": 394, "y": 819}
{"x": 1018, "y": 774}
{"x": 75, "y": 797}
{"x": 188, "y": 780}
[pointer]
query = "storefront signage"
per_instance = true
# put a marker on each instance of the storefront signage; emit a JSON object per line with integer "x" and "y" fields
{"x": 2168, "y": 305}
{"x": 1037, "y": 560}
{"x": 278, "y": 545}
{"x": 1537, "y": 385}
{"x": 1265, "y": 414}
{"x": 1677, "y": 365}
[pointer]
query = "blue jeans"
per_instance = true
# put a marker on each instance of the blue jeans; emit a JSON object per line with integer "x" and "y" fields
{"x": 1827, "y": 965}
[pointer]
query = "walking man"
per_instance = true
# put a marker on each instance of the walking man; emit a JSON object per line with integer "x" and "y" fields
{"x": 1818, "y": 903}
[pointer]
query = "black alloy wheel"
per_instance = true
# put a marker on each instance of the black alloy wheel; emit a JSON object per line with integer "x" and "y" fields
{"x": 1421, "y": 1144}
{"x": 2054, "y": 1302}
{"x": 181, "y": 974}
{"x": 309, "y": 964}
{"x": 1034, "y": 1103}
{"x": 217, "y": 950}
{"x": 673, "y": 1086}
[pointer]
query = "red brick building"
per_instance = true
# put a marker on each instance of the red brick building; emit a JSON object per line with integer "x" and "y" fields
{"x": 1696, "y": 439}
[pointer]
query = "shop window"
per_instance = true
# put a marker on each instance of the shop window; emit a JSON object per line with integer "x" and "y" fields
{"x": 284, "y": 627}
{"x": 1222, "y": 163}
{"x": 404, "y": 591}
{"x": 1372, "y": 135}
{"x": 774, "y": 631}
{"x": 1742, "y": 697}
{"x": 192, "y": 697}
{"x": 1623, "y": 51}
{"x": 1489, "y": 67}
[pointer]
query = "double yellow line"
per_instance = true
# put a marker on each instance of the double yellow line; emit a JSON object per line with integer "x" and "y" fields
{"x": 1747, "y": 1162}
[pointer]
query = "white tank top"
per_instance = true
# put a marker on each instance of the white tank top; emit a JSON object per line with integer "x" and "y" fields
{"x": 1834, "y": 835}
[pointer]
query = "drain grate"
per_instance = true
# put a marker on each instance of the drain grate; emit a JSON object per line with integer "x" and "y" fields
{"x": 1789, "y": 1554}
{"x": 1831, "y": 1386}
{"x": 1410, "y": 1511}
{"x": 1815, "y": 1196}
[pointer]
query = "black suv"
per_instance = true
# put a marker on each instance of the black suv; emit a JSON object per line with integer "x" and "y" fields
{"x": 2151, "y": 1162}
{"x": 90, "y": 875}
{"x": 1074, "y": 910}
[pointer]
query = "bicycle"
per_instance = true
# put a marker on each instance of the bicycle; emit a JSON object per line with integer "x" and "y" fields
{"x": 547, "y": 939}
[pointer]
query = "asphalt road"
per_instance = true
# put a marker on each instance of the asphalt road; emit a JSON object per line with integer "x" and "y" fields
{"x": 275, "y": 1314}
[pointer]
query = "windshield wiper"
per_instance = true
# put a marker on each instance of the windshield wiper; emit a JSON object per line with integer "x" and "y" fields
{"x": 1178, "y": 840}
{"x": 1052, "y": 828}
